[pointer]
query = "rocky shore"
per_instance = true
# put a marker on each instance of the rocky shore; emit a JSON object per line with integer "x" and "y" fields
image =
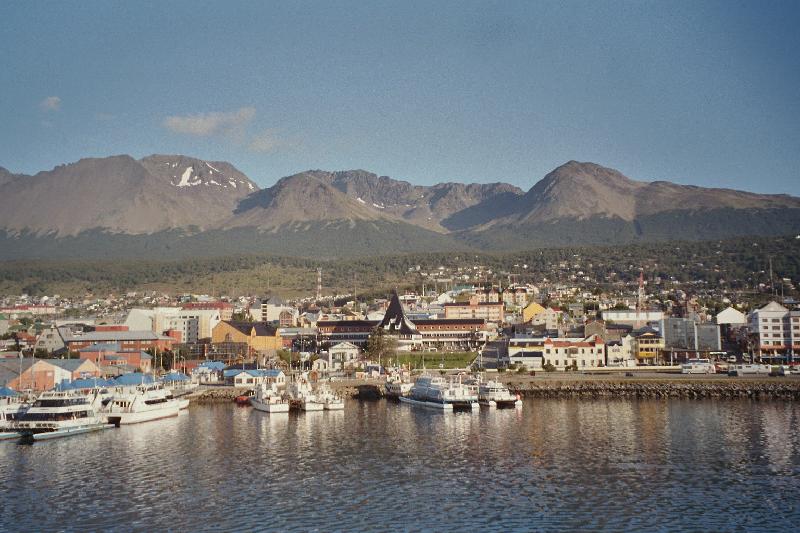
{"x": 759, "y": 390}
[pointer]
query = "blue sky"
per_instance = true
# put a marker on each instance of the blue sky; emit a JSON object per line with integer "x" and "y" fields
{"x": 692, "y": 92}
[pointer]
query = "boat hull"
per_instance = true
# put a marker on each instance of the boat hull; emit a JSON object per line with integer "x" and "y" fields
{"x": 122, "y": 419}
{"x": 282, "y": 407}
{"x": 30, "y": 437}
{"x": 334, "y": 406}
{"x": 441, "y": 406}
{"x": 8, "y": 435}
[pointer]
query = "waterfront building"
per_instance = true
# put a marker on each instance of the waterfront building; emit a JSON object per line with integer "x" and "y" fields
{"x": 433, "y": 333}
{"x": 648, "y": 346}
{"x": 43, "y": 374}
{"x": 343, "y": 355}
{"x": 239, "y": 377}
{"x": 258, "y": 336}
{"x": 535, "y": 352}
{"x": 74, "y": 340}
{"x": 776, "y": 329}
{"x": 620, "y": 352}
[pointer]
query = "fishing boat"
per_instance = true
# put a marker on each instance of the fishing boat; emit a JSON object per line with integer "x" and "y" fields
{"x": 436, "y": 392}
{"x": 11, "y": 408}
{"x": 329, "y": 400}
{"x": 268, "y": 399}
{"x": 495, "y": 394}
{"x": 395, "y": 388}
{"x": 140, "y": 403}
{"x": 301, "y": 396}
{"x": 61, "y": 414}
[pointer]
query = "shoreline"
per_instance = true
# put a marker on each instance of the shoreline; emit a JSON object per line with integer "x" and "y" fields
{"x": 582, "y": 386}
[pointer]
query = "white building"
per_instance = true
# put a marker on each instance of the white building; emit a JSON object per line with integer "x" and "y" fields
{"x": 193, "y": 324}
{"x": 632, "y": 316}
{"x": 620, "y": 353}
{"x": 776, "y": 328}
{"x": 536, "y": 352}
{"x": 343, "y": 355}
{"x": 731, "y": 317}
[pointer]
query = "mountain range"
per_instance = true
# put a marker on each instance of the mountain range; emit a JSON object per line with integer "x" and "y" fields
{"x": 179, "y": 206}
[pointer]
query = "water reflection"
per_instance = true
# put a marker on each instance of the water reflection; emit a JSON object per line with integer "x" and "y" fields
{"x": 554, "y": 465}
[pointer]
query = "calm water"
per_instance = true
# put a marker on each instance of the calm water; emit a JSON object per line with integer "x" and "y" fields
{"x": 554, "y": 465}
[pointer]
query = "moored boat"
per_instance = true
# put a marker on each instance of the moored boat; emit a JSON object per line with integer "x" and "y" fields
{"x": 301, "y": 396}
{"x": 439, "y": 393}
{"x": 11, "y": 408}
{"x": 57, "y": 414}
{"x": 141, "y": 403}
{"x": 495, "y": 394}
{"x": 268, "y": 399}
{"x": 396, "y": 388}
{"x": 329, "y": 400}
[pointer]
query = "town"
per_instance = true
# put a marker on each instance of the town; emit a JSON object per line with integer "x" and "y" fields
{"x": 461, "y": 318}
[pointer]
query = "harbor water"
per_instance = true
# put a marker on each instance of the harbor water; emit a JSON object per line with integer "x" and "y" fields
{"x": 554, "y": 465}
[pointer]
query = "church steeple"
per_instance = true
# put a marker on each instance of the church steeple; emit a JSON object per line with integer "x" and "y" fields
{"x": 395, "y": 320}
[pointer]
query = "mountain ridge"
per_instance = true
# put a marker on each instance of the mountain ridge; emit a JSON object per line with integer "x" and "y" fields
{"x": 201, "y": 203}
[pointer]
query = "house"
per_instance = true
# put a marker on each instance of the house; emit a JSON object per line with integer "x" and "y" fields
{"x": 110, "y": 354}
{"x": 536, "y": 352}
{"x": 343, "y": 355}
{"x": 44, "y": 374}
{"x": 239, "y": 377}
{"x": 258, "y": 336}
{"x": 620, "y": 353}
{"x": 648, "y": 346}
{"x": 530, "y": 311}
{"x": 49, "y": 341}
{"x": 75, "y": 340}
{"x": 209, "y": 372}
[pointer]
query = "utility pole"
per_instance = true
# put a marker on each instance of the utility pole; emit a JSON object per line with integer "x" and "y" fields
{"x": 319, "y": 284}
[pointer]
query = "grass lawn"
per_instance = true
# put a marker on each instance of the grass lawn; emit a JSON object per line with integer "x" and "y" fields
{"x": 434, "y": 359}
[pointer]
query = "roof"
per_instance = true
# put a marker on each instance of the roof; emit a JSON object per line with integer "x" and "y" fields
{"x": 102, "y": 347}
{"x": 70, "y": 365}
{"x": 86, "y": 383}
{"x": 105, "y": 336}
{"x": 212, "y": 365}
{"x": 5, "y": 392}
{"x": 262, "y": 329}
{"x": 344, "y": 346}
{"x": 174, "y": 376}
{"x": 395, "y": 320}
{"x": 260, "y": 372}
{"x": 135, "y": 378}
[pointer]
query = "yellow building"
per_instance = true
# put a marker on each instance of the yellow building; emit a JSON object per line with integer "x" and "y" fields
{"x": 648, "y": 348}
{"x": 531, "y": 311}
{"x": 258, "y": 336}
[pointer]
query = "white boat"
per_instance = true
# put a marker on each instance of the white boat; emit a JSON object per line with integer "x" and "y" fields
{"x": 268, "y": 399}
{"x": 328, "y": 399}
{"x": 11, "y": 408}
{"x": 394, "y": 389}
{"x": 439, "y": 393}
{"x": 60, "y": 414}
{"x": 301, "y": 396}
{"x": 140, "y": 403}
{"x": 698, "y": 366}
{"x": 495, "y": 394}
